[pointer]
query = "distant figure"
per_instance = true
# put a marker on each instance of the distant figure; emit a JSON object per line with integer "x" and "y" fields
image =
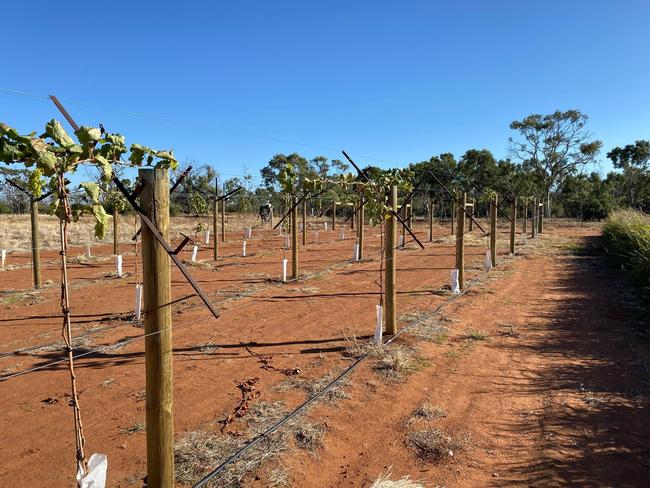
{"x": 266, "y": 212}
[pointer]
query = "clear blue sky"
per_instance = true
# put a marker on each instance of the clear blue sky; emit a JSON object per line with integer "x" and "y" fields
{"x": 232, "y": 83}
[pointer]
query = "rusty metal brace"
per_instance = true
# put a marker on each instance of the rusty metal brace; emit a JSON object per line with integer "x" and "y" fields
{"x": 393, "y": 212}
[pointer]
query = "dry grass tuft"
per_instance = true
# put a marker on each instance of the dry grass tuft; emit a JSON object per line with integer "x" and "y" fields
{"x": 476, "y": 335}
{"x": 433, "y": 444}
{"x": 395, "y": 362}
{"x": 384, "y": 481}
{"x": 313, "y": 387}
{"x": 197, "y": 453}
{"x": 279, "y": 477}
{"x": 426, "y": 412}
{"x": 308, "y": 435}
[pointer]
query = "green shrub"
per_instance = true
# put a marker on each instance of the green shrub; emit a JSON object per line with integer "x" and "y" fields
{"x": 627, "y": 240}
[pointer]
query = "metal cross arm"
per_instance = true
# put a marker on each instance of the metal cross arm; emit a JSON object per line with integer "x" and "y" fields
{"x": 298, "y": 202}
{"x": 356, "y": 209}
{"x": 230, "y": 194}
{"x": 140, "y": 186}
{"x": 166, "y": 246}
{"x": 393, "y": 212}
{"x": 453, "y": 197}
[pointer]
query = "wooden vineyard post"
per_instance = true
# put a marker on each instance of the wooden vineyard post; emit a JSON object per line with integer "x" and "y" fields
{"x": 403, "y": 229}
{"x": 540, "y": 228}
{"x": 471, "y": 212}
{"x": 294, "y": 237}
{"x": 334, "y": 216}
{"x": 36, "y": 244}
{"x": 223, "y": 216}
{"x": 215, "y": 215}
{"x": 354, "y": 215}
{"x": 409, "y": 216}
{"x": 524, "y": 224}
{"x": 453, "y": 211}
{"x": 460, "y": 243}
{"x": 154, "y": 200}
{"x": 116, "y": 236}
{"x": 304, "y": 222}
{"x": 361, "y": 231}
{"x": 513, "y": 225}
{"x": 535, "y": 212}
{"x": 430, "y": 218}
{"x": 493, "y": 231}
{"x": 390, "y": 312}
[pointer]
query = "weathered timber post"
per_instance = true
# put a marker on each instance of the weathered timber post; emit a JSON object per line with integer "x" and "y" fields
{"x": 361, "y": 231}
{"x": 460, "y": 243}
{"x": 334, "y": 216}
{"x": 154, "y": 200}
{"x": 294, "y": 237}
{"x": 430, "y": 218}
{"x": 471, "y": 212}
{"x": 540, "y": 228}
{"x": 223, "y": 216}
{"x": 409, "y": 216}
{"x": 116, "y": 235}
{"x": 513, "y": 224}
{"x": 535, "y": 212}
{"x": 493, "y": 231}
{"x": 524, "y": 224}
{"x": 304, "y": 222}
{"x": 36, "y": 244}
{"x": 215, "y": 215}
{"x": 453, "y": 211}
{"x": 390, "y": 312}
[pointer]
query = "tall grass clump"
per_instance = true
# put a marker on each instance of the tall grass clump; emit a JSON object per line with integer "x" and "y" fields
{"x": 626, "y": 237}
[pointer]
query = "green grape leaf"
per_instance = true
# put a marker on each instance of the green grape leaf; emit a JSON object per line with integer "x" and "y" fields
{"x": 137, "y": 154}
{"x": 101, "y": 218}
{"x": 92, "y": 190}
{"x": 55, "y": 130}
{"x": 104, "y": 166}
{"x": 87, "y": 135}
{"x": 46, "y": 159}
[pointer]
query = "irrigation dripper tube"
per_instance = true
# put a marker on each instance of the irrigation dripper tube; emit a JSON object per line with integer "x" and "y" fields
{"x": 313, "y": 399}
{"x": 240, "y": 452}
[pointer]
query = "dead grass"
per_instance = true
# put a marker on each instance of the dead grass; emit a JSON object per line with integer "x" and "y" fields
{"x": 476, "y": 335}
{"x": 313, "y": 387}
{"x": 397, "y": 361}
{"x": 392, "y": 362}
{"x": 197, "y": 453}
{"x": 426, "y": 412}
{"x": 384, "y": 481}
{"x": 15, "y": 233}
{"x": 433, "y": 444}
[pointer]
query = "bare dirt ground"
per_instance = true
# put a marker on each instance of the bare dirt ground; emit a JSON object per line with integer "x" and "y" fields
{"x": 534, "y": 377}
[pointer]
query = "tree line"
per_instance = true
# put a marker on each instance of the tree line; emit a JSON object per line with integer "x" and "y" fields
{"x": 549, "y": 157}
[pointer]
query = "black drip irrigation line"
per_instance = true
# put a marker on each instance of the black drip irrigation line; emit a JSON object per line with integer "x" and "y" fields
{"x": 240, "y": 452}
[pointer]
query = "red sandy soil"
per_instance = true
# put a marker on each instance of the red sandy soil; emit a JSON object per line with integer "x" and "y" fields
{"x": 518, "y": 400}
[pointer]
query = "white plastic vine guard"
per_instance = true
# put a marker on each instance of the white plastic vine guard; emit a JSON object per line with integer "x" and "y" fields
{"x": 96, "y": 475}
{"x": 379, "y": 327}
{"x": 455, "y": 286}
{"x": 488, "y": 261}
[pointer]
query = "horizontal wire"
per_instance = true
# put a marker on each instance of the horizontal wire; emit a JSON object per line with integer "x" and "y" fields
{"x": 226, "y": 310}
